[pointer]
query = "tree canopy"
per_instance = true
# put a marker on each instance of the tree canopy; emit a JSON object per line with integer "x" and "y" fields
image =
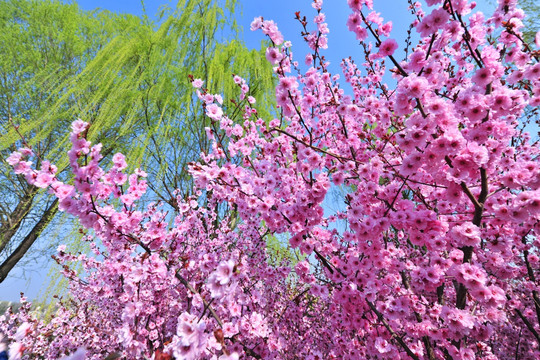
{"x": 127, "y": 75}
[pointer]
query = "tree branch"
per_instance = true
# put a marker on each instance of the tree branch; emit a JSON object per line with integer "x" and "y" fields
{"x": 27, "y": 242}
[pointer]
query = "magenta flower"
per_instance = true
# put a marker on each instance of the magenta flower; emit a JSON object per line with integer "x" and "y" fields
{"x": 387, "y": 47}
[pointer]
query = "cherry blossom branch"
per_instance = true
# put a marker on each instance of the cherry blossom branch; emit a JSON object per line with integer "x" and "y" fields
{"x": 467, "y": 35}
{"x": 425, "y": 339}
{"x": 461, "y": 296}
{"x": 433, "y": 37}
{"x": 340, "y": 158}
{"x": 376, "y": 36}
{"x": 177, "y": 273}
{"x": 529, "y": 325}
{"x": 395, "y": 197}
{"x": 398, "y": 338}
{"x": 525, "y": 45}
{"x": 530, "y": 273}
{"x": 195, "y": 292}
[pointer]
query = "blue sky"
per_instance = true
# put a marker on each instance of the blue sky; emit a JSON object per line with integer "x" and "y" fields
{"x": 341, "y": 44}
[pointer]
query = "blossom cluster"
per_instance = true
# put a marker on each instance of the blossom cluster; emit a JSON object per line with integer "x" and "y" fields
{"x": 433, "y": 255}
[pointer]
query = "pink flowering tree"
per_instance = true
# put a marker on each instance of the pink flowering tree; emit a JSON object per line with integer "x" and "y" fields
{"x": 438, "y": 255}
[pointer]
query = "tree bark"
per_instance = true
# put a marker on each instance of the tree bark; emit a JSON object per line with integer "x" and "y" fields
{"x": 14, "y": 220}
{"x": 28, "y": 241}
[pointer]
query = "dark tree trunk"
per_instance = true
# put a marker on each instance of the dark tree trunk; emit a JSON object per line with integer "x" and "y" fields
{"x": 28, "y": 241}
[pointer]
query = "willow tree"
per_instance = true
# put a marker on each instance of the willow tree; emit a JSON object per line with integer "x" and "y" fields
{"x": 132, "y": 83}
{"x": 138, "y": 87}
{"x": 532, "y": 20}
{"x": 43, "y": 44}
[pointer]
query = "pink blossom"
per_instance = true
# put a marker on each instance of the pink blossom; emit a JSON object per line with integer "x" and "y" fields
{"x": 22, "y": 331}
{"x": 16, "y": 351}
{"x": 256, "y": 23}
{"x": 270, "y": 28}
{"x": 22, "y": 167}
{"x": 273, "y": 55}
{"x": 432, "y": 239}
{"x": 214, "y": 112}
{"x": 197, "y": 83}
{"x": 14, "y": 158}
{"x": 26, "y": 151}
{"x": 43, "y": 180}
{"x": 457, "y": 320}
{"x": 79, "y": 126}
{"x": 224, "y": 271}
{"x": 382, "y": 345}
{"x": 467, "y": 234}
{"x": 482, "y": 77}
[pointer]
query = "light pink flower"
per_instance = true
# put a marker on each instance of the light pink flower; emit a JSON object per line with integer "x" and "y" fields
{"x": 197, "y": 83}
{"x": 256, "y": 23}
{"x": 43, "y": 180}
{"x": 382, "y": 345}
{"x": 14, "y": 158}
{"x": 78, "y": 126}
{"x": 214, "y": 112}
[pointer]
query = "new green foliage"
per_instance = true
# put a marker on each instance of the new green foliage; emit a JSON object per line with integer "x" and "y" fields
{"x": 532, "y": 19}
{"x": 136, "y": 91}
{"x": 128, "y": 77}
{"x": 43, "y": 43}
